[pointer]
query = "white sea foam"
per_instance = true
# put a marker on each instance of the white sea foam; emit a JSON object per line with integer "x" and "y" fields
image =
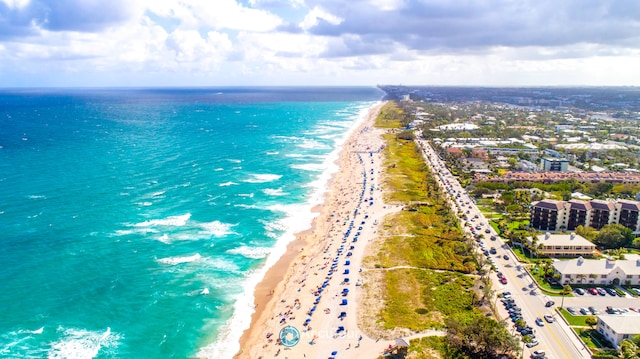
{"x": 142, "y": 231}
{"x": 145, "y": 204}
{"x": 219, "y": 169}
{"x": 312, "y": 144}
{"x": 179, "y": 260}
{"x": 250, "y": 195}
{"x": 297, "y": 218}
{"x": 232, "y": 160}
{"x": 262, "y": 178}
{"x": 251, "y": 252}
{"x": 273, "y": 192}
{"x": 271, "y": 153}
{"x": 226, "y": 184}
{"x": 248, "y": 206}
{"x": 83, "y": 344}
{"x": 312, "y": 167}
{"x": 217, "y": 228}
{"x": 171, "y": 221}
{"x": 34, "y": 196}
{"x": 158, "y": 194}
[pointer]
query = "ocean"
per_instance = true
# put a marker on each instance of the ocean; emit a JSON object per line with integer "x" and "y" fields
{"x": 137, "y": 222}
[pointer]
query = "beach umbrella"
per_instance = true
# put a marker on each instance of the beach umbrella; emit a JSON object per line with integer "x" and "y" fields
{"x": 334, "y": 352}
{"x": 347, "y": 263}
{"x": 346, "y": 271}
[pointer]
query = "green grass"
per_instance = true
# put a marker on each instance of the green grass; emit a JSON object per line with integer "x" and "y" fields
{"x": 420, "y": 299}
{"x": 434, "y": 348}
{"x": 405, "y": 171}
{"x": 389, "y": 116}
{"x": 573, "y": 320}
{"x": 593, "y": 339}
{"x": 545, "y": 286}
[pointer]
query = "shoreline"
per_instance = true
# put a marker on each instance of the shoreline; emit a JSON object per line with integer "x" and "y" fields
{"x": 307, "y": 254}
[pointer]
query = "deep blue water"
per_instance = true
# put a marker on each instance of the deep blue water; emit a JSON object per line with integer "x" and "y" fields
{"x": 135, "y": 222}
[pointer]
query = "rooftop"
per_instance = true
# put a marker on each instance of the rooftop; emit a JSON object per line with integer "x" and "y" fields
{"x": 622, "y": 324}
{"x": 564, "y": 240}
{"x": 630, "y": 265}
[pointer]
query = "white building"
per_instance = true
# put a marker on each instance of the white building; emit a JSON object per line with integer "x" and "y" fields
{"x": 599, "y": 271}
{"x": 563, "y": 245}
{"x": 618, "y": 327}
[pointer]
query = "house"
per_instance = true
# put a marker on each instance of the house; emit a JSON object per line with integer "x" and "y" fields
{"x": 599, "y": 271}
{"x": 563, "y": 245}
{"x": 618, "y": 327}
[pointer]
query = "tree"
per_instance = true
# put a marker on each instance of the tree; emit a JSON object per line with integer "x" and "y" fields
{"x": 591, "y": 321}
{"x": 614, "y": 236}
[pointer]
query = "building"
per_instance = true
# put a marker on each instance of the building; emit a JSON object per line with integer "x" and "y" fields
{"x": 554, "y": 164}
{"x": 563, "y": 245}
{"x": 599, "y": 271}
{"x": 617, "y": 327}
{"x": 544, "y": 214}
{"x": 553, "y": 215}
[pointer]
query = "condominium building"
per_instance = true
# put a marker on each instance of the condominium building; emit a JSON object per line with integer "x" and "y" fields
{"x": 553, "y": 215}
{"x": 554, "y": 164}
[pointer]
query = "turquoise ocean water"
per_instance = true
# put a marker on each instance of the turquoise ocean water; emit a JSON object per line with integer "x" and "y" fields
{"x": 135, "y": 223}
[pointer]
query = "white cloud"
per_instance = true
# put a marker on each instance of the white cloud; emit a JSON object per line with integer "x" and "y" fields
{"x": 315, "y": 15}
{"x": 16, "y": 4}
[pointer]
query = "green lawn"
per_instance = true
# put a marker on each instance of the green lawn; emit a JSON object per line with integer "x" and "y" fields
{"x": 593, "y": 339}
{"x": 573, "y": 320}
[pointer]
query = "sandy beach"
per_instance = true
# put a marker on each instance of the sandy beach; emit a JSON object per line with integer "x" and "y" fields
{"x": 313, "y": 290}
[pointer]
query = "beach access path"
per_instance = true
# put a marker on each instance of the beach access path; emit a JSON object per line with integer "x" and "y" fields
{"x": 315, "y": 287}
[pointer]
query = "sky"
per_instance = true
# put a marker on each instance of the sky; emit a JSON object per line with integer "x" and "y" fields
{"x": 140, "y": 43}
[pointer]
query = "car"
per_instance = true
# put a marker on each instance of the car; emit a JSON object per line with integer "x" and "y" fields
{"x": 538, "y": 354}
{"x": 593, "y": 291}
{"x": 493, "y": 238}
{"x": 579, "y": 291}
{"x": 584, "y": 311}
{"x": 493, "y": 250}
{"x": 601, "y": 291}
{"x": 532, "y": 343}
{"x": 636, "y": 291}
{"x": 571, "y": 310}
{"x": 540, "y": 322}
{"x": 499, "y": 274}
{"x": 505, "y": 257}
{"x": 549, "y": 318}
{"x": 549, "y": 304}
{"x": 593, "y": 310}
{"x": 487, "y": 231}
{"x": 503, "y": 280}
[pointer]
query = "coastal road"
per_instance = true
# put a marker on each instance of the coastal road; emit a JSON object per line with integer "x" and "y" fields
{"x": 556, "y": 338}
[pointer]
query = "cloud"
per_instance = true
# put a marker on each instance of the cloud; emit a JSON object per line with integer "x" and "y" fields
{"x": 441, "y": 25}
{"x": 24, "y": 18}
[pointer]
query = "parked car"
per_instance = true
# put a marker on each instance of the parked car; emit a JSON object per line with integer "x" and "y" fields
{"x": 532, "y": 344}
{"x": 538, "y": 354}
{"x": 571, "y": 310}
{"x": 549, "y": 304}
{"x": 593, "y": 291}
{"x": 593, "y": 310}
{"x": 579, "y": 291}
{"x": 549, "y": 318}
{"x": 493, "y": 238}
{"x": 493, "y": 250}
{"x": 503, "y": 280}
{"x": 612, "y": 292}
{"x": 584, "y": 311}
{"x": 505, "y": 257}
{"x": 601, "y": 291}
